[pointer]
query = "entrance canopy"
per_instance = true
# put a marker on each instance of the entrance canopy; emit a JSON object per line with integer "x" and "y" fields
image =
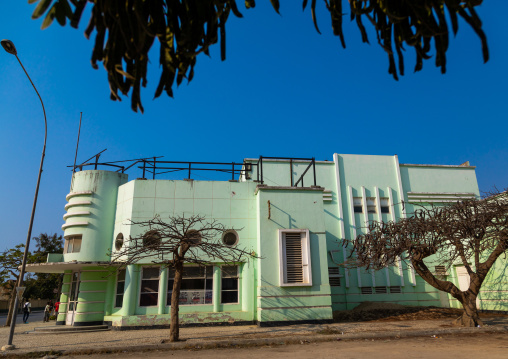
{"x": 60, "y": 267}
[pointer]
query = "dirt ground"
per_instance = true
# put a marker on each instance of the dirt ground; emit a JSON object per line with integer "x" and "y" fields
{"x": 478, "y": 346}
{"x": 376, "y": 311}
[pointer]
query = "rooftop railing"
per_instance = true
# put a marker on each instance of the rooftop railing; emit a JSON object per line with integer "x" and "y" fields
{"x": 157, "y": 166}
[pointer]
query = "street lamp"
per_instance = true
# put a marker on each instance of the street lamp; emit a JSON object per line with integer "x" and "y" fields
{"x": 11, "y": 49}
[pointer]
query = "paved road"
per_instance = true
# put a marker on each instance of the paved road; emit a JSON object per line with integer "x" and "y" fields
{"x": 34, "y": 317}
{"x": 491, "y": 346}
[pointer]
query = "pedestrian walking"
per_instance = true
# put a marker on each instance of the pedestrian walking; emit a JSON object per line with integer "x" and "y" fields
{"x": 27, "y": 309}
{"x": 47, "y": 311}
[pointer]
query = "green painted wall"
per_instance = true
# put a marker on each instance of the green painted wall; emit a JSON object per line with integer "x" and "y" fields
{"x": 291, "y": 209}
{"x": 327, "y": 212}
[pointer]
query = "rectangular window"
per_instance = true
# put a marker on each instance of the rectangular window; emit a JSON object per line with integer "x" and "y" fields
{"x": 371, "y": 205}
{"x": 358, "y": 204}
{"x": 229, "y": 281}
{"x": 395, "y": 290}
{"x": 294, "y": 257}
{"x": 385, "y": 205}
{"x": 196, "y": 287}
{"x": 72, "y": 244}
{"x": 120, "y": 288}
{"x": 334, "y": 276}
{"x": 149, "y": 293}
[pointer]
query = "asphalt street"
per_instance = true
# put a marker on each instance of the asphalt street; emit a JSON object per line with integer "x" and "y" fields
{"x": 34, "y": 317}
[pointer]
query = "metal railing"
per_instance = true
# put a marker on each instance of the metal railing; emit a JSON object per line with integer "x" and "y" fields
{"x": 156, "y": 166}
{"x": 312, "y": 163}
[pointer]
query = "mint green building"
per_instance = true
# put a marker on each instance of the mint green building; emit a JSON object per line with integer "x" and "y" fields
{"x": 293, "y": 213}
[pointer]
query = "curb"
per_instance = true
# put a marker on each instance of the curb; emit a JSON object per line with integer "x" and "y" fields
{"x": 236, "y": 343}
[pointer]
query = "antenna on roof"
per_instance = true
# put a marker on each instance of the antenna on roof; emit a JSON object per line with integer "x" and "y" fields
{"x": 77, "y": 143}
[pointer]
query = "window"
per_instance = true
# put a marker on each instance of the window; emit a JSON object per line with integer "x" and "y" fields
{"x": 334, "y": 276}
{"x": 366, "y": 290}
{"x": 72, "y": 244}
{"x": 119, "y": 241}
{"x": 196, "y": 287}
{"x": 230, "y": 238}
{"x": 120, "y": 287}
{"x": 229, "y": 289}
{"x": 371, "y": 205}
{"x": 385, "y": 205}
{"x": 294, "y": 257}
{"x": 151, "y": 239}
{"x": 357, "y": 204}
{"x": 149, "y": 293}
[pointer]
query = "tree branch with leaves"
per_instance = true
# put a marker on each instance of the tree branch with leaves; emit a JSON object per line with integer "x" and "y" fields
{"x": 125, "y": 31}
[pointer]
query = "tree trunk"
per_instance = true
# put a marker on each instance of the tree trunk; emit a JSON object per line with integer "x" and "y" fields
{"x": 470, "y": 316}
{"x": 174, "y": 329}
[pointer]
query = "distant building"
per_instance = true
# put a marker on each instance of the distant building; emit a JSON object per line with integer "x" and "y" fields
{"x": 293, "y": 213}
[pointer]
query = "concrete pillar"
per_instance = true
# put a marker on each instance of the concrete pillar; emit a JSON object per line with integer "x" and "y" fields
{"x": 163, "y": 290}
{"x": 130, "y": 295}
{"x": 216, "y": 288}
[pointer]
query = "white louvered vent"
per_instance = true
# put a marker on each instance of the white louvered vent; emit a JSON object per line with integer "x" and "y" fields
{"x": 294, "y": 260}
{"x": 327, "y": 195}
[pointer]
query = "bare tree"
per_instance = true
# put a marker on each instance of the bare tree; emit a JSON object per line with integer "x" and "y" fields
{"x": 178, "y": 241}
{"x": 473, "y": 233}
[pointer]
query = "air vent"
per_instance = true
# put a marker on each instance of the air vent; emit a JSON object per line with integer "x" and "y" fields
{"x": 333, "y": 271}
{"x": 294, "y": 260}
{"x": 380, "y": 290}
{"x": 395, "y": 290}
{"x": 366, "y": 290}
{"x": 334, "y": 281}
{"x": 440, "y": 270}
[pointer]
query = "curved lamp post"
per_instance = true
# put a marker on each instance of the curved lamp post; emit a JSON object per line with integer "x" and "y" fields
{"x": 11, "y": 49}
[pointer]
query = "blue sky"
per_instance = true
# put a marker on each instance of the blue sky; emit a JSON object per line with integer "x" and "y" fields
{"x": 284, "y": 90}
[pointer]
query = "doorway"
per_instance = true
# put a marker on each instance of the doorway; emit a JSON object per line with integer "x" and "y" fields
{"x": 73, "y": 298}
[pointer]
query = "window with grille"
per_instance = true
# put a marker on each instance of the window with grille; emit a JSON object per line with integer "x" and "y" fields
{"x": 371, "y": 205}
{"x": 334, "y": 276}
{"x": 196, "y": 286}
{"x": 385, "y": 205}
{"x": 294, "y": 252}
{"x": 358, "y": 204}
{"x": 72, "y": 244}
{"x": 229, "y": 287}
{"x": 149, "y": 293}
{"x": 120, "y": 287}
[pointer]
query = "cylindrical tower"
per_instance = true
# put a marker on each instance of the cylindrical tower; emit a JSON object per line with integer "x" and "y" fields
{"x": 90, "y": 217}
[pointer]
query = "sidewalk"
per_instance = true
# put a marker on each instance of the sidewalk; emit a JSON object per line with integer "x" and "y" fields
{"x": 228, "y": 336}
